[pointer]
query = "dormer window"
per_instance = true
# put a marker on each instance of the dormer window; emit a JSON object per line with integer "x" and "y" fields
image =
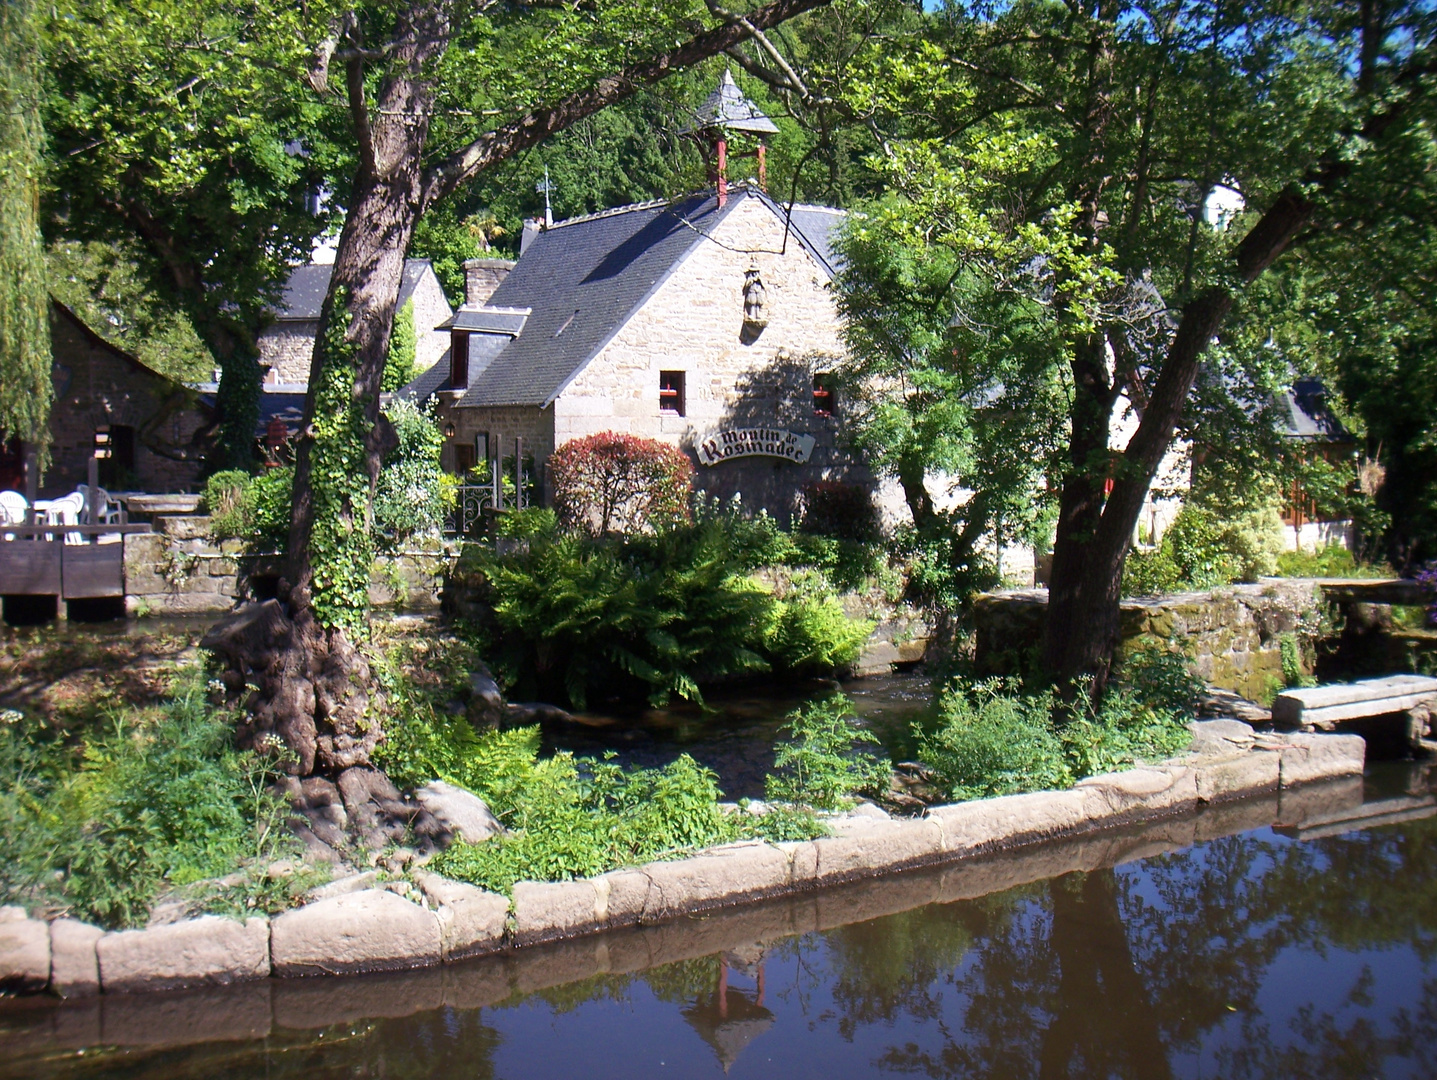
{"x": 825, "y": 394}
{"x": 671, "y": 393}
{"x": 459, "y": 360}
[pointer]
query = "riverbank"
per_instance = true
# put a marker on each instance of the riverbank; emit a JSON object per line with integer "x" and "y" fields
{"x": 362, "y": 924}
{"x": 41, "y": 1034}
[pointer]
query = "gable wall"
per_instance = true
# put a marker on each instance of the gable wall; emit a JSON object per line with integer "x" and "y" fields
{"x": 694, "y": 323}
{"x": 431, "y": 308}
{"x": 287, "y": 348}
{"x": 96, "y": 386}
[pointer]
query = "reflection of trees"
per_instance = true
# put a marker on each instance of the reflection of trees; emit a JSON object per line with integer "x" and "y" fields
{"x": 1108, "y": 974}
{"x": 438, "y": 1043}
{"x": 1327, "y": 1047}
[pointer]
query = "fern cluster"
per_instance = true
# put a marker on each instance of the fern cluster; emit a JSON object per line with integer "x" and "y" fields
{"x": 652, "y": 615}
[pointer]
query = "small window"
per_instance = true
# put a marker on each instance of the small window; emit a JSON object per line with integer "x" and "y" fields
{"x": 825, "y": 394}
{"x": 671, "y": 392}
{"x": 459, "y": 361}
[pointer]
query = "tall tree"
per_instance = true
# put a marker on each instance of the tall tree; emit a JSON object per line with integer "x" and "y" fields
{"x": 415, "y": 77}
{"x": 25, "y": 389}
{"x": 182, "y": 136}
{"x": 1142, "y": 112}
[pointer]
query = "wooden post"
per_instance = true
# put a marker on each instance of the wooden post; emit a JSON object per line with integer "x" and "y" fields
{"x": 498, "y": 471}
{"x": 519, "y": 473}
{"x": 92, "y": 496}
{"x": 32, "y": 482}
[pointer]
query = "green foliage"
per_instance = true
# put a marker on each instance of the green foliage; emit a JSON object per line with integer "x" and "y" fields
{"x": 809, "y": 631}
{"x": 251, "y": 508}
{"x": 152, "y": 801}
{"x": 570, "y": 823}
{"x": 226, "y": 500}
{"x": 820, "y": 764}
{"x": 993, "y": 738}
{"x": 1333, "y": 561}
{"x": 25, "y": 386}
{"x": 413, "y": 493}
{"x": 528, "y": 523}
{"x": 1161, "y": 677}
{"x": 1293, "y": 673}
{"x": 988, "y": 741}
{"x": 654, "y": 615}
{"x": 1202, "y": 551}
{"x": 399, "y": 364}
{"x": 103, "y": 284}
{"x": 341, "y": 547}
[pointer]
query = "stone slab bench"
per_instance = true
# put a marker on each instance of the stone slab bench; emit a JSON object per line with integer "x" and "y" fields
{"x": 1323, "y": 707}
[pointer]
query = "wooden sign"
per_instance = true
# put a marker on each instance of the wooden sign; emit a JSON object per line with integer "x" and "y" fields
{"x": 754, "y": 442}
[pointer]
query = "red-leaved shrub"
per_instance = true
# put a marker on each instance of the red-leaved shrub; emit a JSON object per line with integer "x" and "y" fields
{"x": 613, "y": 483}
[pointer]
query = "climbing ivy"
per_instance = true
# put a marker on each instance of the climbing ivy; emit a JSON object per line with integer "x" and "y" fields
{"x": 399, "y": 365}
{"x": 340, "y": 545}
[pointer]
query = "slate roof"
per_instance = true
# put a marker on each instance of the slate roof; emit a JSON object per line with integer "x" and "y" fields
{"x": 305, "y": 290}
{"x": 1309, "y": 416}
{"x": 726, "y": 107}
{"x": 584, "y": 278}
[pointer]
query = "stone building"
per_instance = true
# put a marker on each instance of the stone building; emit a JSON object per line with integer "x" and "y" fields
{"x": 158, "y": 429}
{"x": 286, "y": 347}
{"x": 707, "y": 322}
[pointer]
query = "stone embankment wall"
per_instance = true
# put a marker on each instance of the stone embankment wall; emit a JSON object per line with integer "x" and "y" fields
{"x": 180, "y": 570}
{"x": 1232, "y": 635}
{"x": 432, "y": 920}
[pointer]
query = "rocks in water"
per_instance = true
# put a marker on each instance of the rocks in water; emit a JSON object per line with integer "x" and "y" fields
{"x": 461, "y": 812}
{"x": 24, "y": 952}
{"x": 521, "y": 713}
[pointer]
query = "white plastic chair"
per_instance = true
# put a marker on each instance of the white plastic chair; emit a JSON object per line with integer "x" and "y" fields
{"x": 63, "y": 511}
{"x": 13, "y": 507}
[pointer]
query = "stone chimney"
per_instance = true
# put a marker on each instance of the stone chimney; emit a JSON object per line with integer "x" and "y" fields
{"x": 482, "y": 277}
{"x": 532, "y": 228}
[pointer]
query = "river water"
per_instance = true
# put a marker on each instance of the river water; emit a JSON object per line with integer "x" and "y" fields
{"x": 1292, "y": 937}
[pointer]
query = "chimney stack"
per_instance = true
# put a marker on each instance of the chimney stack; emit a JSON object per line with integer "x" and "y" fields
{"x": 482, "y": 277}
{"x": 532, "y": 228}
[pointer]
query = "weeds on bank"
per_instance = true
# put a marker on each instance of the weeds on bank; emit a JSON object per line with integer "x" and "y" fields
{"x": 149, "y": 802}
{"x": 998, "y": 738}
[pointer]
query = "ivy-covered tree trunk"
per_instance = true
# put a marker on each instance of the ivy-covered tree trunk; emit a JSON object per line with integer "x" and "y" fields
{"x": 313, "y": 686}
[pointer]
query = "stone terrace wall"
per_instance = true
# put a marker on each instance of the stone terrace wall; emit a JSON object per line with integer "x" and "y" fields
{"x": 1233, "y": 635}
{"x": 180, "y": 570}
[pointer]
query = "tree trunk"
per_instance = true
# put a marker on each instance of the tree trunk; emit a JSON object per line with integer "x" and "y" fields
{"x": 314, "y": 689}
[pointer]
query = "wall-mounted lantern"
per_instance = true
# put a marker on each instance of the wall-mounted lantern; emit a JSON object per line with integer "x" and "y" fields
{"x": 449, "y": 430}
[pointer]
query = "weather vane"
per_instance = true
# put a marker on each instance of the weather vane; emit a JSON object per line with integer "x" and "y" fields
{"x": 543, "y": 187}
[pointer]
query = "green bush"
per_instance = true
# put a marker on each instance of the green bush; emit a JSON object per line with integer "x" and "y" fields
{"x": 651, "y": 615}
{"x": 1333, "y": 561}
{"x": 154, "y": 801}
{"x": 226, "y": 501}
{"x": 992, "y": 738}
{"x": 413, "y": 493}
{"x": 254, "y": 509}
{"x": 991, "y": 742}
{"x": 820, "y": 764}
{"x": 1202, "y": 550}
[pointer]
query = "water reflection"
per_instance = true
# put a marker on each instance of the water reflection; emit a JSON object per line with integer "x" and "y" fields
{"x": 1255, "y": 955}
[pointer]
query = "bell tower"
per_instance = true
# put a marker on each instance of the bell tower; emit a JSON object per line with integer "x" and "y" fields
{"x": 723, "y": 112}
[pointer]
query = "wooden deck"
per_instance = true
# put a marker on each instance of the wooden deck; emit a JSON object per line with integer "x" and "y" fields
{"x": 38, "y": 562}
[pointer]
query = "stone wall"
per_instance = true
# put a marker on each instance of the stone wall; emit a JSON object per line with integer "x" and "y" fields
{"x": 535, "y": 426}
{"x": 359, "y": 924}
{"x": 1233, "y": 635}
{"x": 97, "y": 385}
{"x": 287, "y": 349}
{"x": 694, "y": 323}
{"x": 431, "y": 307}
{"x": 180, "y": 570}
